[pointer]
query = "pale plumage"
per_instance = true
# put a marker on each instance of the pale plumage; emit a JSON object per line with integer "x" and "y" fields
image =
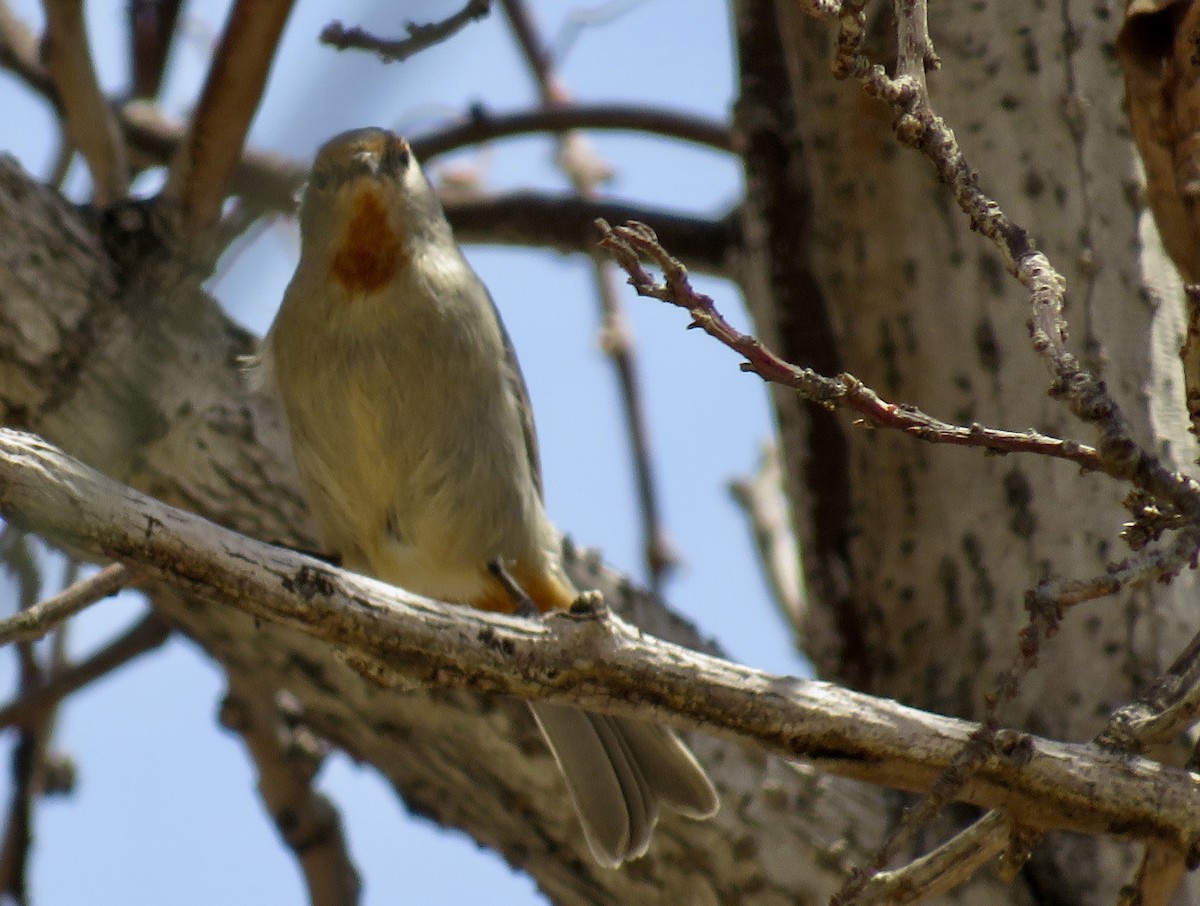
{"x": 412, "y": 432}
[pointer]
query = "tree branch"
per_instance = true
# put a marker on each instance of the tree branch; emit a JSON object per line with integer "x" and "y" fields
{"x": 561, "y": 222}
{"x": 593, "y": 660}
{"x": 762, "y": 499}
{"x": 629, "y": 243}
{"x": 419, "y": 37}
{"x": 307, "y": 821}
{"x": 580, "y": 163}
{"x": 36, "y": 621}
{"x": 205, "y": 162}
{"x": 90, "y": 123}
{"x": 152, "y": 28}
{"x": 947, "y": 867}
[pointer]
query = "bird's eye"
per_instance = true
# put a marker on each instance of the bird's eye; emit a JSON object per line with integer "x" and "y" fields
{"x": 395, "y": 154}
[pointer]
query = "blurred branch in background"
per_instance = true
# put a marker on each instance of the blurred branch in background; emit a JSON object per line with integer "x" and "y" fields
{"x": 582, "y": 165}
{"x": 287, "y": 756}
{"x": 204, "y": 162}
{"x": 152, "y": 25}
{"x": 419, "y": 37}
{"x": 35, "y": 770}
{"x": 88, "y": 121}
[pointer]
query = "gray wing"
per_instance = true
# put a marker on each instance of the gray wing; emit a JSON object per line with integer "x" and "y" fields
{"x": 516, "y": 383}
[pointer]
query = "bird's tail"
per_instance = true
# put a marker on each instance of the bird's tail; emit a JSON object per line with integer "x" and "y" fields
{"x": 618, "y": 772}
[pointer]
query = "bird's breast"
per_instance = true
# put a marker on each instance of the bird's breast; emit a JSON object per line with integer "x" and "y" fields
{"x": 369, "y": 253}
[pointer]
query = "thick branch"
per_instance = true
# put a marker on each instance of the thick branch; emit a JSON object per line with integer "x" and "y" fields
{"x": 593, "y": 660}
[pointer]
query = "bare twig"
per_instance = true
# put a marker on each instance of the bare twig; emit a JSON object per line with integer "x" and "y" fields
{"x": 914, "y": 51}
{"x": 307, "y": 821}
{"x": 517, "y": 218}
{"x": 89, "y": 121}
{"x": 628, "y": 243}
{"x": 204, "y": 164}
{"x": 419, "y": 37}
{"x": 597, "y": 662}
{"x": 583, "y": 167}
{"x": 28, "y": 768}
{"x": 36, "y": 621}
{"x": 1167, "y": 709}
{"x": 1045, "y": 604}
{"x": 32, "y": 769}
{"x": 146, "y": 635}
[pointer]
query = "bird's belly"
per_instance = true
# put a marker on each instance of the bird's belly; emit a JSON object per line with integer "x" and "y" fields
{"x": 419, "y": 483}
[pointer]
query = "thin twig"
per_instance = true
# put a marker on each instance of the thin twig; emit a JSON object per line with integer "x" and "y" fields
{"x": 584, "y": 168}
{"x": 953, "y": 863}
{"x": 1165, "y": 711}
{"x": 31, "y": 765}
{"x": 628, "y": 243}
{"x": 205, "y": 162}
{"x": 481, "y": 125}
{"x": 1046, "y": 603}
{"x": 36, "y": 621}
{"x": 1158, "y": 877}
{"x": 519, "y": 218}
{"x": 89, "y": 120}
{"x": 420, "y": 37}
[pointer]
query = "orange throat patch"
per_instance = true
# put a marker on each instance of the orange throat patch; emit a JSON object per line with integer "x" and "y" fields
{"x": 370, "y": 252}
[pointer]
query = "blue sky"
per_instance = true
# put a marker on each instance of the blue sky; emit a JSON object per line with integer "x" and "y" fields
{"x": 165, "y": 810}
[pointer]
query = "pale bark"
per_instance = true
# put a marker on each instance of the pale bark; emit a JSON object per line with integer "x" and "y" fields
{"x": 943, "y": 543}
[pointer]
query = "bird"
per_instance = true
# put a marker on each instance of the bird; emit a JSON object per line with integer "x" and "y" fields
{"x": 412, "y": 431}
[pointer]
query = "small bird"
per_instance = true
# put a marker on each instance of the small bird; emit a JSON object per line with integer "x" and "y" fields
{"x": 412, "y": 430}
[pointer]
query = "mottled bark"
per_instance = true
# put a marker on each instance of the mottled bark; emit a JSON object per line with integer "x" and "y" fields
{"x": 942, "y": 542}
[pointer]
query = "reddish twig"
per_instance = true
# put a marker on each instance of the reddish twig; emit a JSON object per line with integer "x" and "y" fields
{"x": 627, "y": 244}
